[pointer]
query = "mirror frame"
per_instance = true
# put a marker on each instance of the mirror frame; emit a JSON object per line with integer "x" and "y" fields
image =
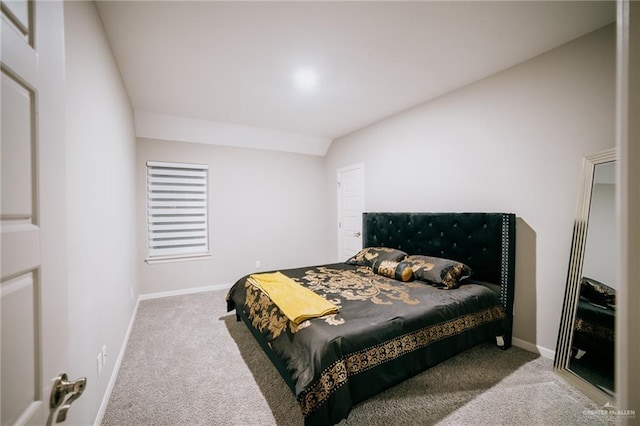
{"x": 572, "y": 291}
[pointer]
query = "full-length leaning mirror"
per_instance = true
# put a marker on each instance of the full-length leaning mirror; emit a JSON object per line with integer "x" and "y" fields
{"x": 586, "y": 340}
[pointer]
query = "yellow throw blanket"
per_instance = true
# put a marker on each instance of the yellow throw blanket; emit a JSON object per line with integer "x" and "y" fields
{"x": 295, "y": 301}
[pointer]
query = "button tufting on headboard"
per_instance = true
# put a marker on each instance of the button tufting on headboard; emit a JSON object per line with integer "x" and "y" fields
{"x": 484, "y": 241}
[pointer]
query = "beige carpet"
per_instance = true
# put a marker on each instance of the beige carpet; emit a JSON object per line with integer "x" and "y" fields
{"x": 188, "y": 362}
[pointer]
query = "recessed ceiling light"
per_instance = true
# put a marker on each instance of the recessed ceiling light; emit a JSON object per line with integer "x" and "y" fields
{"x": 305, "y": 79}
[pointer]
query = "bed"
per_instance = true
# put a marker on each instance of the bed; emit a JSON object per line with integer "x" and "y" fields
{"x": 387, "y": 330}
{"x": 594, "y": 326}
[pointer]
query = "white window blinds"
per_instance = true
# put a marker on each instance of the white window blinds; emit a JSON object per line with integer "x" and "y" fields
{"x": 177, "y": 209}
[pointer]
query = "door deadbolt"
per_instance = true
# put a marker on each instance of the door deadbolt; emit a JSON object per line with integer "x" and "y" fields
{"x": 65, "y": 391}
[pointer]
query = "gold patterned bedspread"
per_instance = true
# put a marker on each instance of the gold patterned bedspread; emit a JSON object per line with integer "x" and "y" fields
{"x": 385, "y": 330}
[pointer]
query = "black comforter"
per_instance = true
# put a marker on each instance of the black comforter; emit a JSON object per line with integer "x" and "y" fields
{"x": 385, "y": 332}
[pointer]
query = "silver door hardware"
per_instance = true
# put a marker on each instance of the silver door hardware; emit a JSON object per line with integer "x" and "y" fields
{"x": 64, "y": 389}
{"x": 356, "y": 234}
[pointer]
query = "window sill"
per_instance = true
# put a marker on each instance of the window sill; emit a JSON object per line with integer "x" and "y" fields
{"x": 182, "y": 258}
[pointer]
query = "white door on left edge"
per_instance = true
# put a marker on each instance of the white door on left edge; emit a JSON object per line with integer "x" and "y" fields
{"x": 350, "y": 209}
{"x": 32, "y": 213}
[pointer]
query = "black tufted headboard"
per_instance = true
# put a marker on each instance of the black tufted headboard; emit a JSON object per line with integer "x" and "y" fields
{"x": 484, "y": 241}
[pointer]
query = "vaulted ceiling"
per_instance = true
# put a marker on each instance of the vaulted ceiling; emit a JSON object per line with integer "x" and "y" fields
{"x": 234, "y": 62}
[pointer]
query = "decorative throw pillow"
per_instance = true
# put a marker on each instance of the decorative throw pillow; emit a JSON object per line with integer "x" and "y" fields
{"x": 437, "y": 271}
{"x": 597, "y": 292}
{"x": 367, "y": 256}
{"x": 400, "y": 271}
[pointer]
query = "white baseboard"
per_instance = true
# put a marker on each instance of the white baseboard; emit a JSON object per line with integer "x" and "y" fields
{"x": 116, "y": 369}
{"x": 184, "y": 291}
{"x": 531, "y": 347}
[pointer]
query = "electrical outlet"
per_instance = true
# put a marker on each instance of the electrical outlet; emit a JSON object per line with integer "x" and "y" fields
{"x": 99, "y": 359}
{"x": 104, "y": 355}
{"x": 257, "y": 264}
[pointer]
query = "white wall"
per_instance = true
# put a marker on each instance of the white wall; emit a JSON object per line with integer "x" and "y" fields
{"x": 101, "y": 209}
{"x": 513, "y": 142}
{"x": 263, "y": 205}
{"x": 601, "y": 249}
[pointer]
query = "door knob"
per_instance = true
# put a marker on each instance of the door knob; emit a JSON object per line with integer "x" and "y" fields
{"x": 67, "y": 391}
{"x": 357, "y": 234}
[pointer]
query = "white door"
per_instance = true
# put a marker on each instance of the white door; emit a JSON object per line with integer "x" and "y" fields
{"x": 350, "y": 209}
{"x": 32, "y": 210}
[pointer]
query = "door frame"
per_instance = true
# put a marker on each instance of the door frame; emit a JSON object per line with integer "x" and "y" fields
{"x": 627, "y": 142}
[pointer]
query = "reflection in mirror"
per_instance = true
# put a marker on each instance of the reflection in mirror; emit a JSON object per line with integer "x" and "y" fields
{"x": 585, "y": 350}
{"x": 593, "y": 335}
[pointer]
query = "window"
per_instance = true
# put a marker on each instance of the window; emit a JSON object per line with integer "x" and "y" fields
{"x": 177, "y": 210}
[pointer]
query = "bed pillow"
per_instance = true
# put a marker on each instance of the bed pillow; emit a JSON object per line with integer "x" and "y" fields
{"x": 597, "y": 292}
{"x": 367, "y": 256}
{"x": 437, "y": 271}
{"x": 400, "y": 271}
